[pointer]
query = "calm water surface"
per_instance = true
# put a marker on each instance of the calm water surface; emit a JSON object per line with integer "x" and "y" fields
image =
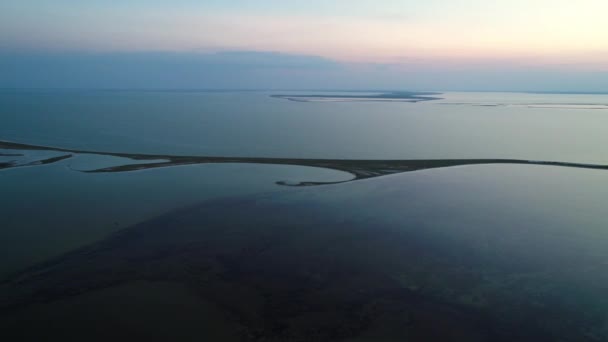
{"x": 486, "y": 252}
{"x": 254, "y": 124}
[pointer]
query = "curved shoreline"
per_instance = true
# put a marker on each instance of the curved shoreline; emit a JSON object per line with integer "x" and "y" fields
{"x": 359, "y": 168}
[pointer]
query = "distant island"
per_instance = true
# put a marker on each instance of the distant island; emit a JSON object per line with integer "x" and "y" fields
{"x": 401, "y": 96}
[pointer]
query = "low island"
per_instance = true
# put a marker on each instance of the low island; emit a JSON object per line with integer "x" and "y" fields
{"x": 400, "y": 96}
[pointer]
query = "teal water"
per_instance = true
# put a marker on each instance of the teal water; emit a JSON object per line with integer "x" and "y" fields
{"x": 254, "y": 124}
{"x": 474, "y": 253}
{"x": 484, "y": 249}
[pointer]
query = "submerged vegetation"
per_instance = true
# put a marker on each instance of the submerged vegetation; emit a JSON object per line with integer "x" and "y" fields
{"x": 363, "y": 262}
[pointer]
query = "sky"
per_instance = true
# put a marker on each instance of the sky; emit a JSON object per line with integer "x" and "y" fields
{"x": 544, "y": 45}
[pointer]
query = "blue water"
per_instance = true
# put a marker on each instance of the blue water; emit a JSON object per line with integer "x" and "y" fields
{"x": 77, "y": 208}
{"x": 254, "y": 124}
{"x": 537, "y": 234}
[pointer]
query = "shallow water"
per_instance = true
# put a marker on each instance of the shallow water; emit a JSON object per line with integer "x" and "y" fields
{"x": 50, "y": 209}
{"x": 456, "y": 253}
{"x": 484, "y": 252}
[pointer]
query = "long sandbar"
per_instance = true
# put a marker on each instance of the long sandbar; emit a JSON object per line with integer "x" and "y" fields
{"x": 359, "y": 168}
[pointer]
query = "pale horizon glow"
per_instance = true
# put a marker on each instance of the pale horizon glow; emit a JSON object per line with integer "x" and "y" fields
{"x": 545, "y": 34}
{"x": 503, "y": 29}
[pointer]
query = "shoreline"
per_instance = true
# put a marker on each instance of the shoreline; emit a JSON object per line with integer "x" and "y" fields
{"x": 359, "y": 168}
